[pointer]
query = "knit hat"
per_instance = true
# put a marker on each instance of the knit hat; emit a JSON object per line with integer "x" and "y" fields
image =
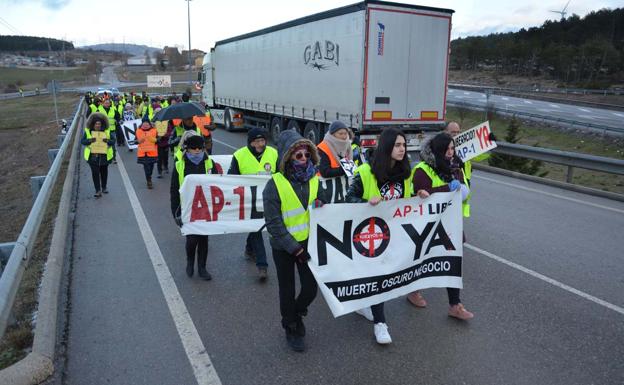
{"x": 194, "y": 141}
{"x": 146, "y": 119}
{"x": 336, "y": 125}
{"x": 255, "y": 133}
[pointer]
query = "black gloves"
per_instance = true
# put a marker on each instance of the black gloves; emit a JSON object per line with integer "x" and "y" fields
{"x": 303, "y": 257}
{"x": 178, "y": 221}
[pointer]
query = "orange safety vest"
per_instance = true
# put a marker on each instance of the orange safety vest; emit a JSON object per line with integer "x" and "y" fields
{"x": 148, "y": 147}
{"x": 333, "y": 163}
{"x": 201, "y": 121}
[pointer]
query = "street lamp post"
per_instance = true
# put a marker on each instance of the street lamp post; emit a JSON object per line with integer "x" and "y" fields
{"x": 189, "y": 43}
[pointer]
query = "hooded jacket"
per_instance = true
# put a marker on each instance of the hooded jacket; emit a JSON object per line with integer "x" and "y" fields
{"x": 98, "y": 159}
{"x": 421, "y": 180}
{"x": 280, "y": 238}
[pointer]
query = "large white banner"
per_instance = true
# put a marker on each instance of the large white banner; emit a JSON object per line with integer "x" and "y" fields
{"x": 221, "y": 204}
{"x": 363, "y": 255}
{"x": 474, "y": 142}
{"x": 129, "y": 131}
{"x": 156, "y": 81}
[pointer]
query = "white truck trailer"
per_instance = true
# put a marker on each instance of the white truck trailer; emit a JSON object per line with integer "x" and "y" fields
{"x": 373, "y": 65}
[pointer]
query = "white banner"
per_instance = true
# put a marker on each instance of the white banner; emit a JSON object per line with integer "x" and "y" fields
{"x": 156, "y": 81}
{"x": 222, "y": 204}
{"x": 474, "y": 142}
{"x": 363, "y": 255}
{"x": 129, "y": 131}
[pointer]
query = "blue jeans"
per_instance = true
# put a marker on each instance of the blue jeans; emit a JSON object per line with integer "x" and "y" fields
{"x": 255, "y": 243}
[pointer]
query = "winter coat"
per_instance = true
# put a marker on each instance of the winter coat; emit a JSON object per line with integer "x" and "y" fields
{"x": 421, "y": 180}
{"x": 280, "y": 238}
{"x": 98, "y": 159}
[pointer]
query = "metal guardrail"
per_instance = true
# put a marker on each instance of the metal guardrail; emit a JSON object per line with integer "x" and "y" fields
{"x": 563, "y": 91}
{"x": 22, "y": 251}
{"x": 566, "y": 158}
{"x": 537, "y": 117}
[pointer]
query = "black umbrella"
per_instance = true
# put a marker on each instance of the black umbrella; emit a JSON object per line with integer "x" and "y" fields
{"x": 180, "y": 111}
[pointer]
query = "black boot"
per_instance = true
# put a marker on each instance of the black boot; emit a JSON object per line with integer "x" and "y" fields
{"x": 295, "y": 341}
{"x": 300, "y": 327}
{"x": 190, "y": 263}
{"x": 201, "y": 268}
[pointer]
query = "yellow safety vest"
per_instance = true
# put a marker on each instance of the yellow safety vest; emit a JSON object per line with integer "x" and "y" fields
{"x": 110, "y": 115}
{"x": 87, "y": 150}
{"x": 369, "y": 182}
{"x": 180, "y": 165}
{"x": 296, "y": 217}
{"x": 248, "y": 163}
{"x": 436, "y": 181}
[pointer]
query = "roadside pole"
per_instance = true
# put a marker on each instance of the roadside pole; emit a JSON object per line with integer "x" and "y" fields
{"x": 54, "y": 97}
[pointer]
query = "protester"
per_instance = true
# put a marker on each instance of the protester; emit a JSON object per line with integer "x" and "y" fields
{"x": 386, "y": 177}
{"x": 186, "y": 124}
{"x": 147, "y": 152}
{"x": 335, "y": 146}
{"x": 98, "y": 162}
{"x": 287, "y": 197}
{"x": 255, "y": 158}
{"x": 111, "y": 113}
{"x": 193, "y": 161}
{"x": 439, "y": 171}
{"x": 163, "y": 151}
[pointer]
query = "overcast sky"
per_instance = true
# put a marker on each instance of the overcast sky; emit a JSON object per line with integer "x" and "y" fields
{"x": 164, "y": 22}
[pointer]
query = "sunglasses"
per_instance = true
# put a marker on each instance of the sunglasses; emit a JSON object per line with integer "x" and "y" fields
{"x": 301, "y": 154}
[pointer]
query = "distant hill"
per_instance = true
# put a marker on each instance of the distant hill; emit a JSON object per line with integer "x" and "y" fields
{"x": 131, "y": 49}
{"x": 587, "y": 52}
{"x": 32, "y": 43}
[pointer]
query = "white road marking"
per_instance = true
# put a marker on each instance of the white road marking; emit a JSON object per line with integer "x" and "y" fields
{"x": 451, "y": 91}
{"x": 551, "y": 194}
{"x": 544, "y": 110}
{"x": 583, "y": 109}
{"x": 505, "y": 98}
{"x": 554, "y": 105}
{"x": 225, "y": 144}
{"x": 466, "y": 93}
{"x": 528, "y": 102}
{"x": 616, "y": 114}
{"x": 544, "y": 278}
{"x": 203, "y": 369}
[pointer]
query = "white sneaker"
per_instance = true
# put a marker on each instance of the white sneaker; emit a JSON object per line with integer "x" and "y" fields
{"x": 381, "y": 334}
{"x": 366, "y": 313}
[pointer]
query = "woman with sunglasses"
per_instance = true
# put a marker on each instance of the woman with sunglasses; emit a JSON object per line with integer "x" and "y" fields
{"x": 287, "y": 198}
{"x": 386, "y": 177}
{"x": 193, "y": 161}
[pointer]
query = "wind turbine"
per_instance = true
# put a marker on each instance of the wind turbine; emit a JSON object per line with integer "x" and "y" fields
{"x": 563, "y": 12}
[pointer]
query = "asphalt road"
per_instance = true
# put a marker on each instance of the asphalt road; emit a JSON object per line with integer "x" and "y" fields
{"x": 581, "y": 114}
{"x": 526, "y": 330}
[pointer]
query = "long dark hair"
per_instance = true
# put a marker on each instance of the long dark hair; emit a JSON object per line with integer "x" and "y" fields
{"x": 439, "y": 144}
{"x": 382, "y": 159}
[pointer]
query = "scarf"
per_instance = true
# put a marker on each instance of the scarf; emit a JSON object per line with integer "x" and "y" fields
{"x": 339, "y": 148}
{"x": 195, "y": 158}
{"x": 302, "y": 172}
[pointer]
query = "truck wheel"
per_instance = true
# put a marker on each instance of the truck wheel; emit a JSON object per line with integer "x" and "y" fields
{"x": 311, "y": 132}
{"x": 276, "y": 128}
{"x": 227, "y": 120}
{"x": 293, "y": 125}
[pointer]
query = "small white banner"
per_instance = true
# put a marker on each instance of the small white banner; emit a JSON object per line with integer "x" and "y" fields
{"x": 363, "y": 255}
{"x": 224, "y": 204}
{"x": 158, "y": 81}
{"x": 474, "y": 142}
{"x": 129, "y": 131}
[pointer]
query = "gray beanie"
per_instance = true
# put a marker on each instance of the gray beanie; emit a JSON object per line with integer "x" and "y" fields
{"x": 336, "y": 125}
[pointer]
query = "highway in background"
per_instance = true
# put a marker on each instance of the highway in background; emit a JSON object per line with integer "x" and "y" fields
{"x": 587, "y": 115}
{"x": 543, "y": 274}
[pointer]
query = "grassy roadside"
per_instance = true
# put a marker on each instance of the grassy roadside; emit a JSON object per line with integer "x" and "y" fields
{"x": 574, "y": 140}
{"x": 27, "y": 131}
{"x": 29, "y": 79}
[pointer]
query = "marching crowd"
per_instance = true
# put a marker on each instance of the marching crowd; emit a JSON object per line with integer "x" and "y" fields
{"x": 290, "y": 194}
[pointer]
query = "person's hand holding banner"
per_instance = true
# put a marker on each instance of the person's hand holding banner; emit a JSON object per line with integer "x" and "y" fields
{"x": 303, "y": 256}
